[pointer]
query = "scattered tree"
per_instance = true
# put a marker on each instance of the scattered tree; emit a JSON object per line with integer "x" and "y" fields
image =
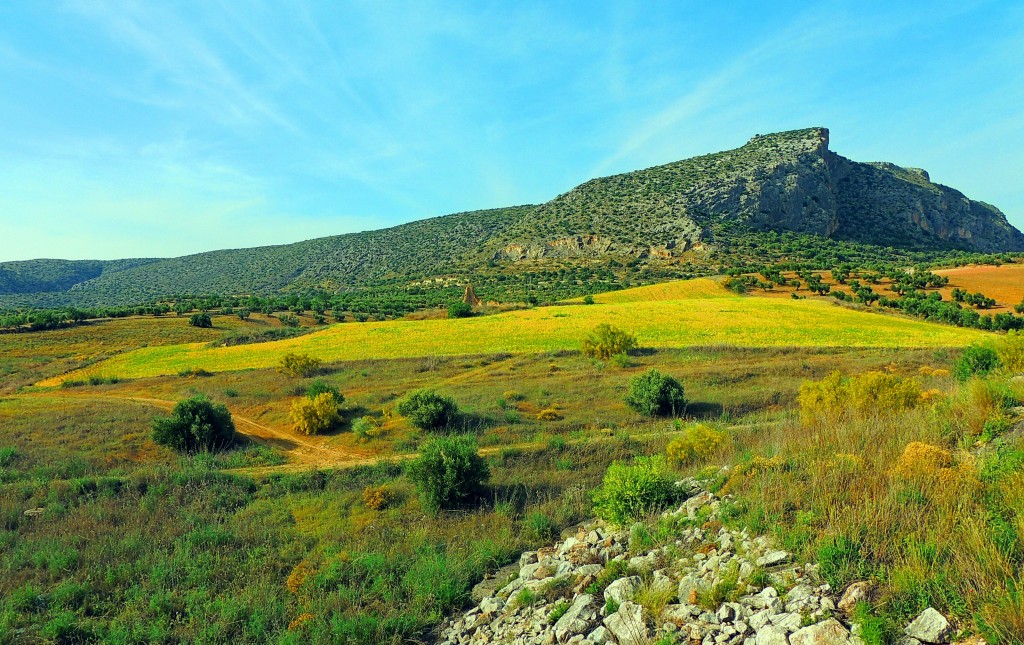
{"x": 606, "y": 341}
{"x": 460, "y": 310}
{"x": 656, "y": 394}
{"x": 448, "y": 472}
{"x": 200, "y": 320}
{"x": 195, "y": 425}
{"x": 428, "y": 410}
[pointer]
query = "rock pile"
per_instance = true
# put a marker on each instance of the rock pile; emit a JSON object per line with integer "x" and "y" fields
{"x": 707, "y": 584}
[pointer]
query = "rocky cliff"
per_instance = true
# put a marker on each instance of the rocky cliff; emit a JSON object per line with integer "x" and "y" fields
{"x": 789, "y": 181}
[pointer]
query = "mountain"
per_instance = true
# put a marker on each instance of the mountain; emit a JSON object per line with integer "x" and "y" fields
{"x": 783, "y": 182}
{"x": 789, "y": 181}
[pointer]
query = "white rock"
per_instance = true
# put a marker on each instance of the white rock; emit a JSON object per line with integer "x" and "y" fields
{"x": 599, "y": 636}
{"x": 772, "y": 558}
{"x": 576, "y": 619}
{"x": 771, "y": 635}
{"x": 857, "y": 592}
{"x": 827, "y": 632}
{"x": 627, "y": 625}
{"x": 622, "y": 589}
{"x": 929, "y": 627}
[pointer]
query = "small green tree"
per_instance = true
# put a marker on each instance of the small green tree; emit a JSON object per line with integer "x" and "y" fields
{"x": 448, "y": 472}
{"x": 588, "y": 299}
{"x": 195, "y": 425}
{"x": 428, "y": 410}
{"x": 606, "y": 341}
{"x": 200, "y": 320}
{"x": 656, "y": 394}
{"x": 629, "y": 492}
{"x": 976, "y": 360}
{"x": 459, "y": 310}
{"x": 243, "y": 314}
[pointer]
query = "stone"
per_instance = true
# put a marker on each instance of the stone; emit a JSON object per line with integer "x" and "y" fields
{"x": 788, "y": 621}
{"x": 622, "y": 589}
{"x": 491, "y": 605}
{"x": 679, "y": 614}
{"x": 929, "y": 627}
{"x": 772, "y": 558}
{"x": 627, "y": 625}
{"x": 599, "y": 636}
{"x": 855, "y": 593}
{"x": 827, "y": 632}
{"x": 689, "y": 586}
{"x": 589, "y": 570}
{"x": 577, "y": 619}
{"x": 528, "y": 557}
{"x": 771, "y": 635}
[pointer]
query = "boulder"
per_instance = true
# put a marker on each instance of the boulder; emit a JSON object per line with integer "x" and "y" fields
{"x": 857, "y": 592}
{"x": 577, "y": 619}
{"x": 622, "y": 589}
{"x": 827, "y": 632}
{"x": 771, "y": 635}
{"x": 772, "y": 558}
{"x": 929, "y": 627}
{"x": 627, "y": 625}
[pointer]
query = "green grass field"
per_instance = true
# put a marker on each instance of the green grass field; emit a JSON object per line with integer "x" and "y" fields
{"x": 672, "y": 315}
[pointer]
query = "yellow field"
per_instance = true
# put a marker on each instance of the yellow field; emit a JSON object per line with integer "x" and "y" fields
{"x": 697, "y": 312}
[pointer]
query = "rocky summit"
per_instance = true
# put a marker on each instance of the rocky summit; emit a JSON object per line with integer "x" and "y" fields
{"x": 788, "y": 181}
{"x": 710, "y": 585}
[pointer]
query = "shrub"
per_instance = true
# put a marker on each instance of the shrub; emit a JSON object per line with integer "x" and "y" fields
{"x": 606, "y": 341}
{"x": 377, "y": 497}
{"x": 697, "y": 443}
{"x": 656, "y": 394}
{"x": 588, "y": 299}
{"x": 448, "y": 472}
{"x": 460, "y": 310}
{"x": 364, "y": 427}
{"x": 548, "y": 415}
{"x": 975, "y": 361}
{"x": 319, "y": 387}
{"x": 196, "y": 424}
{"x": 299, "y": 365}
{"x": 629, "y": 492}
{"x": 428, "y": 410}
{"x": 861, "y": 395}
{"x": 200, "y": 320}
{"x": 1010, "y": 350}
{"x": 317, "y": 414}
{"x": 289, "y": 320}
{"x": 539, "y": 527}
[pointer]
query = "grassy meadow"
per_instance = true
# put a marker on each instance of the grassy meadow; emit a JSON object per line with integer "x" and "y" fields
{"x": 687, "y": 314}
{"x": 107, "y": 537}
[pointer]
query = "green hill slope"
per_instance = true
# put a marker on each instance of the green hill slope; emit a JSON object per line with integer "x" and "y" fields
{"x": 712, "y": 211}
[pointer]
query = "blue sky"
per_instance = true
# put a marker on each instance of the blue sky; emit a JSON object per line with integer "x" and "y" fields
{"x": 151, "y": 128}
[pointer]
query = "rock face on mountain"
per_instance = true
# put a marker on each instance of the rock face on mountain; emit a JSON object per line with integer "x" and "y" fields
{"x": 789, "y": 181}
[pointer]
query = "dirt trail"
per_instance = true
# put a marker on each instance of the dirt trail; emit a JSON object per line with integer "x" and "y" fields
{"x": 299, "y": 450}
{"x": 304, "y": 454}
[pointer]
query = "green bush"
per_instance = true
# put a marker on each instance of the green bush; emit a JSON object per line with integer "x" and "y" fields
{"x": 195, "y": 425}
{"x": 200, "y": 320}
{"x": 606, "y": 341}
{"x": 975, "y": 361}
{"x": 319, "y": 386}
{"x": 459, "y": 310}
{"x": 428, "y": 410}
{"x": 698, "y": 442}
{"x": 448, "y": 472}
{"x": 656, "y": 394}
{"x": 629, "y": 492}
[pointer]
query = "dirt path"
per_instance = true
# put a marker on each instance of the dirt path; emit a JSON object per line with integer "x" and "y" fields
{"x": 304, "y": 454}
{"x": 301, "y": 451}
